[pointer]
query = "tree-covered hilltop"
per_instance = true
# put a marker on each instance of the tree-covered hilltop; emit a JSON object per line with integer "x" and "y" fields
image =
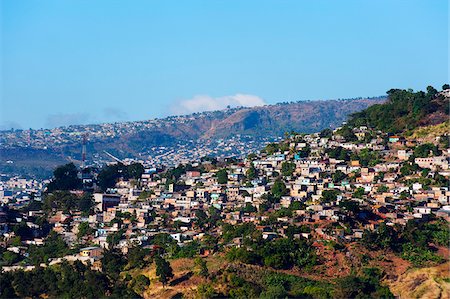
{"x": 405, "y": 110}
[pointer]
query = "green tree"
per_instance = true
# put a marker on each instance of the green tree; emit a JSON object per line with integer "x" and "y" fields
{"x": 10, "y": 257}
{"x": 84, "y": 229}
{"x": 287, "y": 168}
{"x": 426, "y": 150}
{"x": 54, "y": 246}
{"x": 65, "y": 177}
{"x": 326, "y": 133}
{"x": 271, "y": 148}
{"x": 202, "y": 267}
{"x": 338, "y": 176}
{"x": 163, "y": 270}
{"x": 329, "y": 195}
{"x": 347, "y": 133}
{"x": 222, "y": 176}
{"x": 135, "y": 170}
{"x": 279, "y": 189}
{"x": 252, "y": 172}
{"x": 112, "y": 263}
{"x": 359, "y": 193}
{"x": 140, "y": 283}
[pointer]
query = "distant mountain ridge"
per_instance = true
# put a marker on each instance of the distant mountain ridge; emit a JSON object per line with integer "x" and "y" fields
{"x": 305, "y": 117}
{"x": 133, "y": 139}
{"x": 274, "y": 120}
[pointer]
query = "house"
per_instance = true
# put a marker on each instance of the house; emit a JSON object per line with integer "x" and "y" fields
{"x": 104, "y": 201}
{"x": 91, "y": 252}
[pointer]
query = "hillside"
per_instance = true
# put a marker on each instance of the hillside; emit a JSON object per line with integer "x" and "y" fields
{"x": 406, "y": 110}
{"x": 269, "y": 120}
{"x": 196, "y": 133}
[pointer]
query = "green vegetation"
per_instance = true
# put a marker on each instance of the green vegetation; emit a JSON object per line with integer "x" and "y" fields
{"x": 163, "y": 270}
{"x": 62, "y": 281}
{"x": 404, "y": 110}
{"x": 66, "y": 202}
{"x": 347, "y": 133}
{"x": 364, "y": 286}
{"x": 329, "y": 195}
{"x": 222, "y": 176}
{"x": 412, "y": 242}
{"x": 287, "y": 168}
{"x": 339, "y": 153}
{"x": 271, "y": 148}
{"x": 202, "y": 267}
{"x": 65, "y": 177}
{"x": 281, "y": 253}
{"x": 109, "y": 175}
{"x": 279, "y": 189}
{"x": 426, "y": 150}
{"x": 252, "y": 172}
{"x": 366, "y": 157}
{"x": 53, "y": 247}
{"x": 140, "y": 283}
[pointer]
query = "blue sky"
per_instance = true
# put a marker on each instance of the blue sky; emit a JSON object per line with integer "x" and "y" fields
{"x": 74, "y": 62}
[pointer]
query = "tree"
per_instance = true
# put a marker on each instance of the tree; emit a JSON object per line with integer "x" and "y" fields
{"x": 114, "y": 238}
{"x": 222, "y": 176}
{"x": 84, "y": 229}
{"x": 339, "y": 176}
{"x": 367, "y": 157}
{"x": 426, "y": 150}
{"x": 271, "y": 148}
{"x": 248, "y": 208}
{"x": 251, "y": 156}
{"x": 54, "y": 246}
{"x": 382, "y": 188}
{"x": 85, "y": 203}
{"x": 136, "y": 257}
{"x": 163, "y": 270}
{"x": 287, "y": 168}
{"x": 135, "y": 170}
{"x": 65, "y": 177}
{"x": 252, "y": 173}
{"x": 279, "y": 189}
{"x": 329, "y": 195}
{"x": 347, "y": 133}
{"x": 202, "y": 267}
{"x": 404, "y": 110}
{"x": 359, "y": 193}
{"x": 108, "y": 176}
{"x": 431, "y": 91}
{"x": 140, "y": 283}
{"x": 339, "y": 153}
{"x": 10, "y": 257}
{"x": 304, "y": 152}
{"x": 445, "y": 87}
{"x": 112, "y": 263}
{"x": 326, "y": 133}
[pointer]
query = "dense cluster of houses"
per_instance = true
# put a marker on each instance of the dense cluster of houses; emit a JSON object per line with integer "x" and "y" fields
{"x": 136, "y": 211}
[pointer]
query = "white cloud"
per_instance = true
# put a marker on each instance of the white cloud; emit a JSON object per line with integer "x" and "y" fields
{"x": 200, "y": 103}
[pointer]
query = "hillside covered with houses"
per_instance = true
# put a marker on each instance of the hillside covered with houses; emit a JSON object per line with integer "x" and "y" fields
{"x": 342, "y": 213}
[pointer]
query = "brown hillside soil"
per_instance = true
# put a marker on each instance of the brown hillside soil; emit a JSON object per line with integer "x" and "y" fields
{"x": 185, "y": 280}
{"x": 402, "y": 280}
{"x": 427, "y": 283}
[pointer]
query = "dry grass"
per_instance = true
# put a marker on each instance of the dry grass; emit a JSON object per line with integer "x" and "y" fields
{"x": 427, "y": 283}
{"x": 431, "y": 132}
